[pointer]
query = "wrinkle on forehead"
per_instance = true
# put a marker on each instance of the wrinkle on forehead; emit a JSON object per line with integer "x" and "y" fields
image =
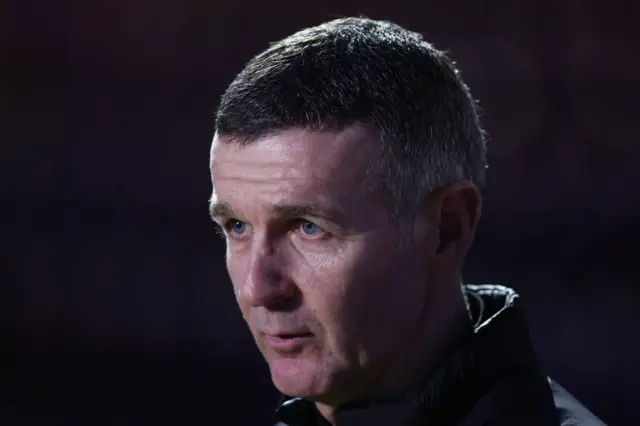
{"x": 296, "y": 167}
{"x": 296, "y": 153}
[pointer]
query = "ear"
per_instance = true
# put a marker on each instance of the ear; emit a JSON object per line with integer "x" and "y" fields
{"x": 455, "y": 209}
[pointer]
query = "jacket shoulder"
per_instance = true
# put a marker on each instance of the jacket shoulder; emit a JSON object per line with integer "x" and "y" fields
{"x": 570, "y": 411}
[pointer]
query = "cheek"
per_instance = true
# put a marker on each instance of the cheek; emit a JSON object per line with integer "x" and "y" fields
{"x": 232, "y": 271}
{"x": 343, "y": 291}
{"x": 321, "y": 283}
{"x": 236, "y": 273}
{"x": 373, "y": 297}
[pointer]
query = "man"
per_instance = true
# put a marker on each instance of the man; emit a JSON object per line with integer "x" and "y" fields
{"x": 346, "y": 165}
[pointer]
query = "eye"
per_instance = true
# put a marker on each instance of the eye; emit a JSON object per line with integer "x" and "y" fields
{"x": 310, "y": 229}
{"x": 237, "y": 228}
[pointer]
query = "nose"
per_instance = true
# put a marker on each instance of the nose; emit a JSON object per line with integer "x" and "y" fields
{"x": 265, "y": 283}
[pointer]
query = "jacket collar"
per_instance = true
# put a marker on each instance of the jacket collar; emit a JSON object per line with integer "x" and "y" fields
{"x": 500, "y": 346}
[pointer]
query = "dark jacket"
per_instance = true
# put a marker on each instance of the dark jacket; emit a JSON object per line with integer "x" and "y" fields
{"x": 493, "y": 379}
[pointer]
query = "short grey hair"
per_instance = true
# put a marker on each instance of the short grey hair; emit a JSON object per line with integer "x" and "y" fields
{"x": 373, "y": 73}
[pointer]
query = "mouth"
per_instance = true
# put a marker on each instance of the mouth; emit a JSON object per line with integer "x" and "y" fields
{"x": 288, "y": 342}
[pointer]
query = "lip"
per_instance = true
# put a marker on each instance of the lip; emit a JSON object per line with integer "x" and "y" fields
{"x": 287, "y": 342}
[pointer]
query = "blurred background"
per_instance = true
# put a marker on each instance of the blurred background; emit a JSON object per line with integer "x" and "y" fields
{"x": 117, "y": 309}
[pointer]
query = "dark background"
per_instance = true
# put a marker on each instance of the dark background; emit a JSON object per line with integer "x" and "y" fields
{"x": 117, "y": 308}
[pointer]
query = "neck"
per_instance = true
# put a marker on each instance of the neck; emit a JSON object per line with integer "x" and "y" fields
{"x": 443, "y": 327}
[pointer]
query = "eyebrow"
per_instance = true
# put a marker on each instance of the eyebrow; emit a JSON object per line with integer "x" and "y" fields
{"x": 218, "y": 210}
{"x": 306, "y": 209}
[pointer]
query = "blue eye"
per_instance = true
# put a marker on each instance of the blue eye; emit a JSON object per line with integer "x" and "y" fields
{"x": 237, "y": 227}
{"x": 309, "y": 229}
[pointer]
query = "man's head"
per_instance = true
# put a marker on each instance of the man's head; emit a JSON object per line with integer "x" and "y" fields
{"x": 344, "y": 169}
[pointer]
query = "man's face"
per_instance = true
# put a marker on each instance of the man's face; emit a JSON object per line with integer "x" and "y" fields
{"x": 314, "y": 259}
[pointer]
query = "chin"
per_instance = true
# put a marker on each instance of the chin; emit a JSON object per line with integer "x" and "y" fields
{"x": 298, "y": 377}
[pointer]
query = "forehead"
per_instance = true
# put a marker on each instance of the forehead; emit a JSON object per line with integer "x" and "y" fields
{"x": 295, "y": 157}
